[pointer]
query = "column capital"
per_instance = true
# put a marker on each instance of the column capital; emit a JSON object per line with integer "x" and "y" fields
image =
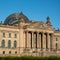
{"x": 47, "y": 33}
{"x": 25, "y": 31}
{"x": 38, "y": 32}
{"x": 32, "y": 31}
{"x": 42, "y": 33}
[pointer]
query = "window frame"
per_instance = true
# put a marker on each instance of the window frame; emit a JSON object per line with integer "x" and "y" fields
{"x": 9, "y": 43}
{"x": 15, "y": 35}
{"x": 15, "y": 44}
{"x": 3, "y": 35}
{"x": 3, "y": 43}
{"x": 9, "y": 35}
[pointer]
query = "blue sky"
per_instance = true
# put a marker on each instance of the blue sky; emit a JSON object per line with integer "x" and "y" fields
{"x": 33, "y": 9}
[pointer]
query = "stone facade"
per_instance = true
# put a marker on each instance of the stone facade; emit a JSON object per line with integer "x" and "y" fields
{"x": 21, "y": 36}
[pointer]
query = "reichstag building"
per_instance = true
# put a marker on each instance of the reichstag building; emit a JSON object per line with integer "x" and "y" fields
{"x": 20, "y": 36}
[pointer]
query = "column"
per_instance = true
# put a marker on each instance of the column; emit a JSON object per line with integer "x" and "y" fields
{"x": 32, "y": 40}
{"x": 35, "y": 40}
{"x": 48, "y": 42}
{"x": 26, "y": 39}
{"x": 42, "y": 43}
{"x": 43, "y": 40}
{"x": 29, "y": 39}
{"x": 38, "y": 40}
{"x": 52, "y": 41}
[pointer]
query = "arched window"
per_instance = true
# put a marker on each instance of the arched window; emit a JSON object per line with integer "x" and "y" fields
{"x": 9, "y": 44}
{"x": 3, "y": 43}
{"x": 15, "y": 44}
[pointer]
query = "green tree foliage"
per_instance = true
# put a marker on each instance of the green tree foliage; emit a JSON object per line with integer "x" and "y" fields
{"x": 30, "y": 58}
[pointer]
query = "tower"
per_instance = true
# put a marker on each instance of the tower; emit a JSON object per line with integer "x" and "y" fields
{"x": 48, "y": 21}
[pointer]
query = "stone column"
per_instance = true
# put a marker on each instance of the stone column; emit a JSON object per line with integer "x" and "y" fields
{"x": 38, "y": 40}
{"x": 35, "y": 40}
{"x": 42, "y": 41}
{"x": 32, "y": 40}
{"x": 27, "y": 39}
{"x": 52, "y": 41}
{"x": 47, "y": 42}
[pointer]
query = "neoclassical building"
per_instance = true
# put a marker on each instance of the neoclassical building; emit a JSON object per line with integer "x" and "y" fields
{"x": 21, "y": 36}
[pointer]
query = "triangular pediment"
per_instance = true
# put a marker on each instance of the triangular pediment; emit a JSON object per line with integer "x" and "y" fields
{"x": 40, "y": 25}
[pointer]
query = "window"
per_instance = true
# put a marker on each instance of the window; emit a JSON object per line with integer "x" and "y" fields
{"x": 9, "y": 44}
{"x": 15, "y": 36}
{"x": 3, "y": 43}
{"x": 3, "y": 52}
{"x": 15, "y": 44}
{"x": 3, "y": 35}
{"x": 9, "y": 52}
{"x": 9, "y": 35}
{"x": 15, "y": 52}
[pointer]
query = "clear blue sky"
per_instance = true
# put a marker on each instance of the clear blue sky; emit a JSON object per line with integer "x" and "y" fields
{"x": 33, "y": 9}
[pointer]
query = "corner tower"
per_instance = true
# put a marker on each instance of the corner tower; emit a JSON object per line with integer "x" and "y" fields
{"x": 48, "y": 21}
{"x": 21, "y": 23}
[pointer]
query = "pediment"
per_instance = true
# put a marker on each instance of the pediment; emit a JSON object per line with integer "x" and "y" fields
{"x": 40, "y": 25}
